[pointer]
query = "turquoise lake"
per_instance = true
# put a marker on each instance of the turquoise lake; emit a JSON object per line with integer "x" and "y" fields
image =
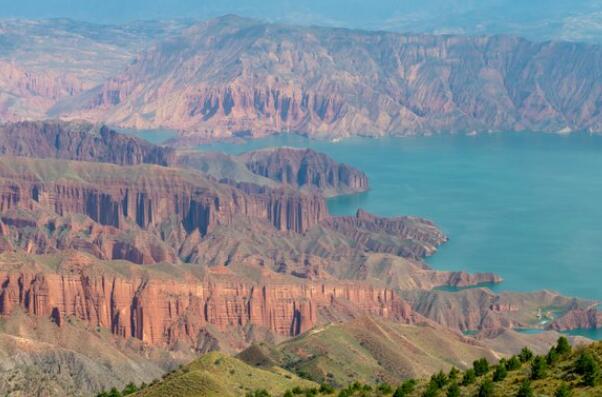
{"x": 525, "y": 206}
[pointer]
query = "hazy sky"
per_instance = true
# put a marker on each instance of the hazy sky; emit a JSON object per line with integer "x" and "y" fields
{"x": 544, "y": 18}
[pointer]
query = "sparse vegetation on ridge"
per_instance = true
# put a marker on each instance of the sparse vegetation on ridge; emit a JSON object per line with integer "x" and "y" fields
{"x": 573, "y": 372}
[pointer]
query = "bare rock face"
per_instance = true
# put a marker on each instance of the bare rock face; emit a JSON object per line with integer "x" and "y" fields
{"x": 230, "y": 76}
{"x": 403, "y": 236}
{"x": 578, "y": 318}
{"x": 148, "y": 196}
{"x": 163, "y": 311}
{"x": 306, "y": 168}
{"x": 480, "y": 309}
{"x": 79, "y": 141}
{"x": 26, "y": 94}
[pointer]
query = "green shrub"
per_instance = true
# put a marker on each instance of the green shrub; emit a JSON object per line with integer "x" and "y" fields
{"x": 258, "y": 393}
{"x": 453, "y": 390}
{"x": 563, "y": 390}
{"x": 525, "y": 355}
{"x": 587, "y": 366}
{"x": 563, "y": 346}
{"x": 130, "y": 388}
{"x": 513, "y": 363}
{"x": 485, "y": 389}
{"x": 525, "y": 389}
{"x": 405, "y": 389}
{"x": 431, "y": 390}
{"x": 500, "y": 372}
{"x": 439, "y": 379}
{"x": 539, "y": 367}
{"x": 469, "y": 377}
{"x": 453, "y": 374}
{"x": 481, "y": 367}
{"x": 325, "y": 388}
{"x": 552, "y": 356}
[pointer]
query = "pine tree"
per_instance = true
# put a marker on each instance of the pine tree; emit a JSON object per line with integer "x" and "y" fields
{"x": 439, "y": 379}
{"x": 587, "y": 366}
{"x": 486, "y": 389}
{"x": 563, "y": 346}
{"x": 525, "y": 389}
{"x": 513, "y": 363}
{"x": 563, "y": 391}
{"x": 525, "y": 355}
{"x": 453, "y": 390}
{"x": 453, "y": 374}
{"x": 500, "y": 372}
{"x": 469, "y": 377}
{"x": 481, "y": 367}
{"x": 405, "y": 389}
{"x": 538, "y": 368}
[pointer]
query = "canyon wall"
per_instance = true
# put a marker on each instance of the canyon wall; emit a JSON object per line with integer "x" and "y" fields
{"x": 148, "y": 196}
{"x": 306, "y": 168}
{"x": 232, "y": 77}
{"x": 162, "y": 312}
{"x": 79, "y": 141}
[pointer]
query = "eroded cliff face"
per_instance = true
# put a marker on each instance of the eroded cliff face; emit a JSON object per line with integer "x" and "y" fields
{"x": 163, "y": 310}
{"x": 306, "y": 168}
{"x": 420, "y": 237}
{"x": 79, "y": 141}
{"x": 25, "y": 94}
{"x": 149, "y": 196}
{"x": 231, "y": 76}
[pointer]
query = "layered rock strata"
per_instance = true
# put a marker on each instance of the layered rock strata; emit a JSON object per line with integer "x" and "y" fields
{"x": 306, "y": 168}
{"x": 79, "y": 141}
{"x": 162, "y": 312}
{"x": 232, "y": 77}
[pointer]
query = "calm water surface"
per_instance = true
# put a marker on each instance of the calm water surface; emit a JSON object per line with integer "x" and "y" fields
{"x": 525, "y": 206}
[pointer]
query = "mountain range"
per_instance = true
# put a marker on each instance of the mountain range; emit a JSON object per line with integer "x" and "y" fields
{"x": 231, "y": 77}
{"x": 120, "y": 260}
{"x": 123, "y": 261}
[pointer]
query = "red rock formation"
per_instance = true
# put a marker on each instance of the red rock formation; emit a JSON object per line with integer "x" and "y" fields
{"x": 578, "y": 318}
{"x": 150, "y": 196}
{"x": 230, "y": 76}
{"x": 378, "y": 234}
{"x": 305, "y": 167}
{"x": 165, "y": 311}
{"x": 79, "y": 141}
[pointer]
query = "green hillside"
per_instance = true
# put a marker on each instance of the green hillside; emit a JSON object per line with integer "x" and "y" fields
{"x": 369, "y": 350}
{"x": 563, "y": 372}
{"x": 219, "y": 375}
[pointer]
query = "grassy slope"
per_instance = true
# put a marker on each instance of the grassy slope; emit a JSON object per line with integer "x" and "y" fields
{"x": 370, "y": 350}
{"x": 560, "y": 372}
{"x": 216, "y": 374}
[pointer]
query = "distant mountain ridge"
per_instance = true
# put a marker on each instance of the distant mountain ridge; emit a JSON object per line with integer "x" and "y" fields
{"x": 233, "y": 76}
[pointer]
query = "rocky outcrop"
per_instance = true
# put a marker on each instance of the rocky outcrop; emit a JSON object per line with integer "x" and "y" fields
{"x": 163, "y": 311}
{"x": 403, "y": 236}
{"x": 483, "y": 310}
{"x": 79, "y": 141}
{"x": 578, "y": 318}
{"x": 28, "y": 94}
{"x": 149, "y": 196}
{"x": 231, "y": 77}
{"x": 306, "y": 168}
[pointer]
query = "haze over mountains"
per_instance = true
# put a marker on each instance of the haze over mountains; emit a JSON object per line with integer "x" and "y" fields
{"x": 577, "y": 20}
{"x": 233, "y": 76}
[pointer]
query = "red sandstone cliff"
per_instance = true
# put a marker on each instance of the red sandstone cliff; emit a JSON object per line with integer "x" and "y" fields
{"x": 164, "y": 311}
{"x": 79, "y": 141}
{"x": 148, "y": 196}
{"x": 232, "y": 77}
{"x": 306, "y": 168}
